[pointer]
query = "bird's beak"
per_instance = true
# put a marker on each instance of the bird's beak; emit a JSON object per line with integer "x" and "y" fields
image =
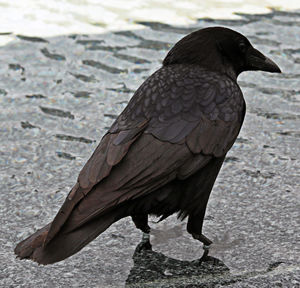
{"x": 258, "y": 61}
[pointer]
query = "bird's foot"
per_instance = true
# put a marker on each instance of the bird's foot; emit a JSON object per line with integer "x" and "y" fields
{"x": 206, "y": 245}
{"x": 204, "y": 257}
{"x": 145, "y": 243}
{"x": 205, "y": 253}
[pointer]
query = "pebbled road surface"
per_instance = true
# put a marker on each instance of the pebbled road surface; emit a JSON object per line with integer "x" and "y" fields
{"x": 58, "y": 97}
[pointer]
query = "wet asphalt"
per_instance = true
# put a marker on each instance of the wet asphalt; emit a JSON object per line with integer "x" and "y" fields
{"x": 58, "y": 98}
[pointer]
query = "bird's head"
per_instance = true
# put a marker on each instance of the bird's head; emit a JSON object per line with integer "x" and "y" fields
{"x": 220, "y": 49}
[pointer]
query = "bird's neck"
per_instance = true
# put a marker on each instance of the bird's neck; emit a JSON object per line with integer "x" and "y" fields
{"x": 229, "y": 71}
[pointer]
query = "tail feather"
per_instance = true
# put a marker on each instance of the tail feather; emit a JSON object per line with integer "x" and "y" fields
{"x": 65, "y": 243}
{"x": 26, "y": 247}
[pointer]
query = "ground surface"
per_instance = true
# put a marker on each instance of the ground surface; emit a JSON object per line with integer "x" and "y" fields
{"x": 58, "y": 97}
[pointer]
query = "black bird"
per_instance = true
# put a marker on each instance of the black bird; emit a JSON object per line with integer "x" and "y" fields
{"x": 163, "y": 153}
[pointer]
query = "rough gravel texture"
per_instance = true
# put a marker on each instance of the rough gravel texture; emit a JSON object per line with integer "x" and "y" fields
{"x": 58, "y": 97}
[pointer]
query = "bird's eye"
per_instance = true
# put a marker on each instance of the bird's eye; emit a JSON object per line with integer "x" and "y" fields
{"x": 243, "y": 47}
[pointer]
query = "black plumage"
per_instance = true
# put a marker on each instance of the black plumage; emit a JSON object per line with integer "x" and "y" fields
{"x": 163, "y": 153}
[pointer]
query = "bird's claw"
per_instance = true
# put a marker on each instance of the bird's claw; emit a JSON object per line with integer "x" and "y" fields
{"x": 145, "y": 243}
{"x": 206, "y": 251}
{"x": 204, "y": 257}
{"x": 206, "y": 245}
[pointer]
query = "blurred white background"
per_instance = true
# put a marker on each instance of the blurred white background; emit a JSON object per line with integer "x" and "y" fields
{"x": 58, "y": 17}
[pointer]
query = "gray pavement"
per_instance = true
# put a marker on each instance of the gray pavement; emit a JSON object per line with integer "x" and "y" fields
{"x": 58, "y": 97}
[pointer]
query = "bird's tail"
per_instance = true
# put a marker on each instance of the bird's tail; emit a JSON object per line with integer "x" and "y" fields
{"x": 66, "y": 243}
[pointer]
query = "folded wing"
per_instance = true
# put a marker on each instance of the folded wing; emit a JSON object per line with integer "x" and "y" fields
{"x": 179, "y": 112}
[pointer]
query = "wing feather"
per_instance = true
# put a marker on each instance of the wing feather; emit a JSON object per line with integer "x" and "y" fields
{"x": 106, "y": 155}
{"x": 178, "y": 119}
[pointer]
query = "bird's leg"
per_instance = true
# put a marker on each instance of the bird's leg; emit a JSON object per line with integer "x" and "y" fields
{"x": 206, "y": 244}
{"x": 194, "y": 227}
{"x": 141, "y": 222}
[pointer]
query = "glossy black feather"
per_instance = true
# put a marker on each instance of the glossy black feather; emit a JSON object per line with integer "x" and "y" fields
{"x": 164, "y": 152}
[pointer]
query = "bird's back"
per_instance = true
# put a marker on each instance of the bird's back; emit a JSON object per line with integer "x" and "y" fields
{"x": 181, "y": 118}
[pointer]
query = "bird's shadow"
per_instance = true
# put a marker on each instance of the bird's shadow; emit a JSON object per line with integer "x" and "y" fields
{"x": 154, "y": 269}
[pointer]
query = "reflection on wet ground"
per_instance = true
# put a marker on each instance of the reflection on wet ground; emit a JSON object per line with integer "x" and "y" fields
{"x": 154, "y": 269}
{"x": 59, "y": 96}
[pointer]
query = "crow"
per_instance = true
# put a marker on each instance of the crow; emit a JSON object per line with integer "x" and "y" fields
{"x": 163, "y": 153}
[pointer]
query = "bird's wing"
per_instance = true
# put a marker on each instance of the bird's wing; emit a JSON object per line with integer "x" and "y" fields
{"x": 106, "y": 155}
{"x": 177, "y": 112}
